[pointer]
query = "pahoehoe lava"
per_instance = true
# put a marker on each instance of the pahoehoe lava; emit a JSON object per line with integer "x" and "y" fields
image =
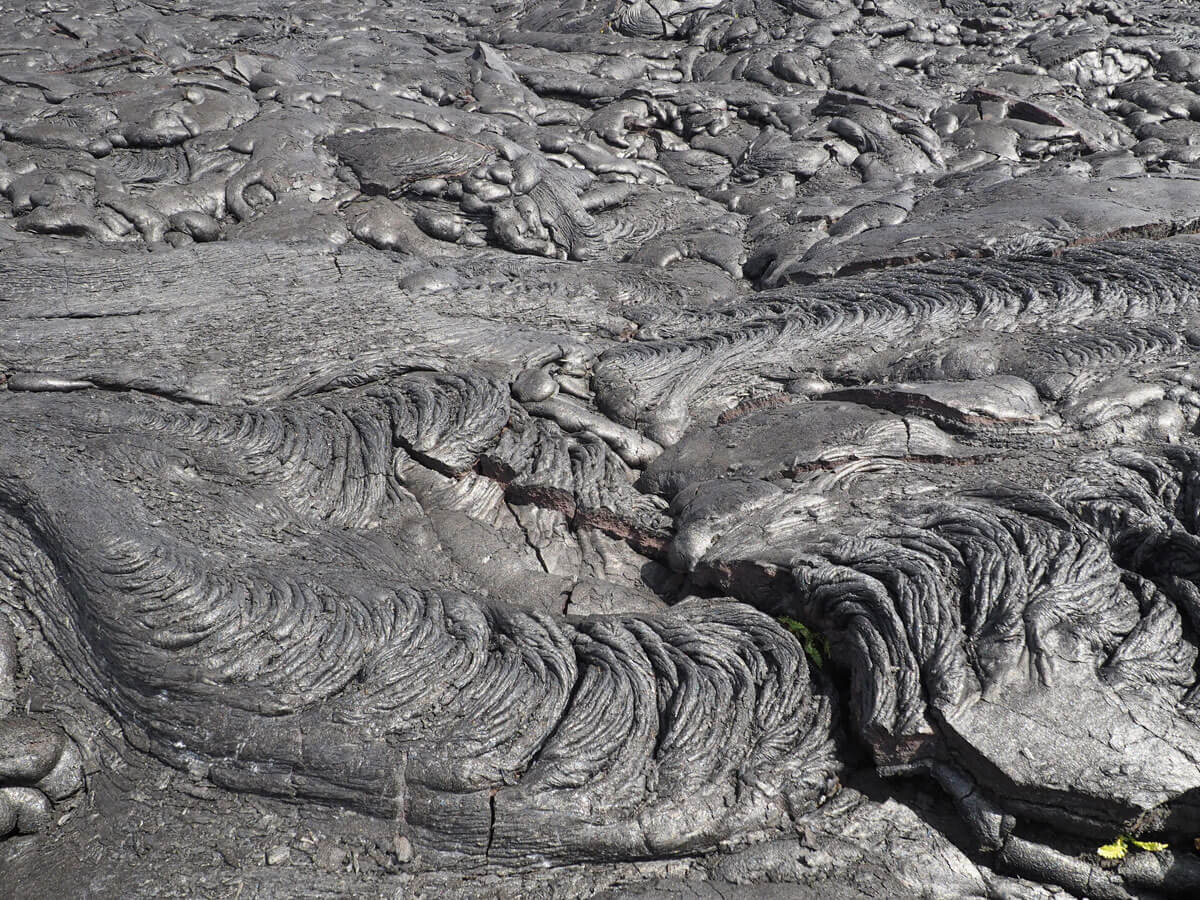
{"x": 624, "y": 448}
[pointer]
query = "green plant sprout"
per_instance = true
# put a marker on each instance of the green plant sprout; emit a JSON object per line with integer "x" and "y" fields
{"x": 1120, "y": 847}
{"x": 816, "y": 646}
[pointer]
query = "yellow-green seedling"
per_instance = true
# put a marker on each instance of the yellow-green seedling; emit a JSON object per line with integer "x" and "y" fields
{"x": 1120, "y": 847}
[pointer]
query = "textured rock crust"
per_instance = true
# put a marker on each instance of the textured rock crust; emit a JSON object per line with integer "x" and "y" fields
{"x": 633, "y": 448}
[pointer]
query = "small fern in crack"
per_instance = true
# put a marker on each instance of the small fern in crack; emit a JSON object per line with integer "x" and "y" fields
{"x": 1120, "y": 847}
{"x": 815, "y": 645}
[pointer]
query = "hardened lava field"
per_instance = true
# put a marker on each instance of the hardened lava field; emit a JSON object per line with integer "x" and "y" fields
{"x": 703, "y": 449}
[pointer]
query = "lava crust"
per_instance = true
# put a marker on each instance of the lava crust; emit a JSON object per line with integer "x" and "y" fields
{"x": 632, "y": 448}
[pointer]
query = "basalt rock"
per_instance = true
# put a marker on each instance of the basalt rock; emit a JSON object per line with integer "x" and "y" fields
{"x": 739, "y": 448}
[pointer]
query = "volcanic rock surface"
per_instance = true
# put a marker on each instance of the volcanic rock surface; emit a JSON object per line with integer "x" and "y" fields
{"x": 632, "y": 448}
